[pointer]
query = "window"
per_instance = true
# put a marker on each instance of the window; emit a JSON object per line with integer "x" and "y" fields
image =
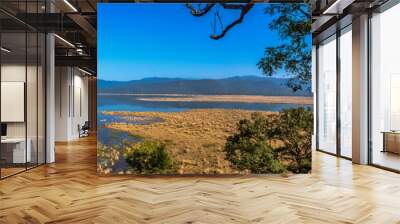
{"x": 385, "y": 89}
{"x": 346, "y": 92}
{"x": 327, "y": 95}
{"x": 22, "y": 92}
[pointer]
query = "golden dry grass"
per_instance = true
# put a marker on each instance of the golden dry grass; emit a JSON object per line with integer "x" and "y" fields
{"x": 195, "y": 138}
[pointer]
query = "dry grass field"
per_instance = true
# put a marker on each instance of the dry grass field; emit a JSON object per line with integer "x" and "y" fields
{"x": 194, "y": 138}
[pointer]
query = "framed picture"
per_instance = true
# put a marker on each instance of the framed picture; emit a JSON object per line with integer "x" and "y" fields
{"x": 204, "y": 88}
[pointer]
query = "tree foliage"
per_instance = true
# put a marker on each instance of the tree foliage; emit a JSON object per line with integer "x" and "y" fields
{"x": 149, "y": 157}
{"x": 273, "y": 143}
{"x": 292, "y": 22}
{"x": 250, "y": 149}
{"x": 293, "y": 128}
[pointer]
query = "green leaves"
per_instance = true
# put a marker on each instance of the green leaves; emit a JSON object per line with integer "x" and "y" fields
{"x": 148, "y": 158}
{"x": 294, "y": 131}
{"x": 249, "y": 149}
{"x": 251, "y": 154}
{"x": 273, "y": 143}
{"x": 293, "y": 24}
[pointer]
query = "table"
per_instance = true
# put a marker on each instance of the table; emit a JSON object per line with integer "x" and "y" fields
{"x": 391, "y": 141}
{"x": 13, "y": 150}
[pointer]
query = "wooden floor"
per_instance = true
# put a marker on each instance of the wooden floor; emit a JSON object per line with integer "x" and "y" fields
{"x": 5, "y": 172}
{"x": 387, "y": 159}
{"x": 69, "y": 191}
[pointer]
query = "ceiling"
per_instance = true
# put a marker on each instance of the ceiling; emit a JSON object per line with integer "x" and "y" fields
{"x": 330, "y": 15}
{"x": 73, "y": 21}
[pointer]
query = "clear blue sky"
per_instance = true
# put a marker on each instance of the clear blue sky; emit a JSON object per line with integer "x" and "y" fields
{"x": 136, "y": 41}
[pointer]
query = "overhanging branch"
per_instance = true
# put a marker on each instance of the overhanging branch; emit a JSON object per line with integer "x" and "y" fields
{"x": 200, "y": 12}
{"x": 244, "y": 10}
{"x": 232, "y": 6}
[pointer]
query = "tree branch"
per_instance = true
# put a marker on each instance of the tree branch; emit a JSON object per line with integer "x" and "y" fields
{"x": 246, "y": 8}
{"x": 232, "y": 6}
{"x": 200, "y": 12}
{"x": 306, "y": 14}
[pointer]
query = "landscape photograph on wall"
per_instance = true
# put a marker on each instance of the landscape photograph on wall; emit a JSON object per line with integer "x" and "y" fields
{"x": 204, "y": 88}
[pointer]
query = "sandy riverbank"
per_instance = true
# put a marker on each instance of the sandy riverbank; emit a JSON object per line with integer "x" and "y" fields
{"x": 222, "y": 98}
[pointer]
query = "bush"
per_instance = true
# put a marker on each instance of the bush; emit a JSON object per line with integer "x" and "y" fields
{"x": 251, "y": 148}
{"x": 148, "y": 158}
{"x": 294, "y": 128}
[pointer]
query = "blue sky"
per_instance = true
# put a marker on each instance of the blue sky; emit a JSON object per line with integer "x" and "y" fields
{"x": 136, "y": 41}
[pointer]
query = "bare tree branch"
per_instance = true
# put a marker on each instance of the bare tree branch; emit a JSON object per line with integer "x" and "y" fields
{"x": 232, "y": 6}
{"x": 200, "y": 12}
{"x": 246, "y": 8}
{"x": 219, "y": 19}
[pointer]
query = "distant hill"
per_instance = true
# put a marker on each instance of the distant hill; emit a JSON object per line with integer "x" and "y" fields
{"x": 238, "y": 85}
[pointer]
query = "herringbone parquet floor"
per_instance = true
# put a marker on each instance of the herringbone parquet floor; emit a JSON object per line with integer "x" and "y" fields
{"x": 69, "y": 191}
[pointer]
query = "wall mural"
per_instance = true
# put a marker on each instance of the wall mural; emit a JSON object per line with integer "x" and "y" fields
{"x": 204, "y": 88}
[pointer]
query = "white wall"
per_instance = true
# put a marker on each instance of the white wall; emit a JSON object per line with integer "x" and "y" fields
{"x": 62, "y": 81}
{"x": 71, "y": 102}
{"x": 80, "y": 110}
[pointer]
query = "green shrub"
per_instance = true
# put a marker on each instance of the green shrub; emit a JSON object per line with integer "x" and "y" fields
{"x": 251, "y": 148}
{"x": 149, "y": 157}
{"x": 294, "y": 128}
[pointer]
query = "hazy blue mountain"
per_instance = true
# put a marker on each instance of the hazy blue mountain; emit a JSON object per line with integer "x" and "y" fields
{"x": 237, "y": 85}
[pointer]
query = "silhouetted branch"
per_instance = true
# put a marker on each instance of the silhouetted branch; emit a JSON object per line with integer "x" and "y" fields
{"x": 232, "y": 6}
{"x": 246, "y": 8}
{"x": 200, "y": 12}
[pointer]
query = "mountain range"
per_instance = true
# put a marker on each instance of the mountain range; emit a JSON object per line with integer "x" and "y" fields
{"x": 237, "y": 85}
